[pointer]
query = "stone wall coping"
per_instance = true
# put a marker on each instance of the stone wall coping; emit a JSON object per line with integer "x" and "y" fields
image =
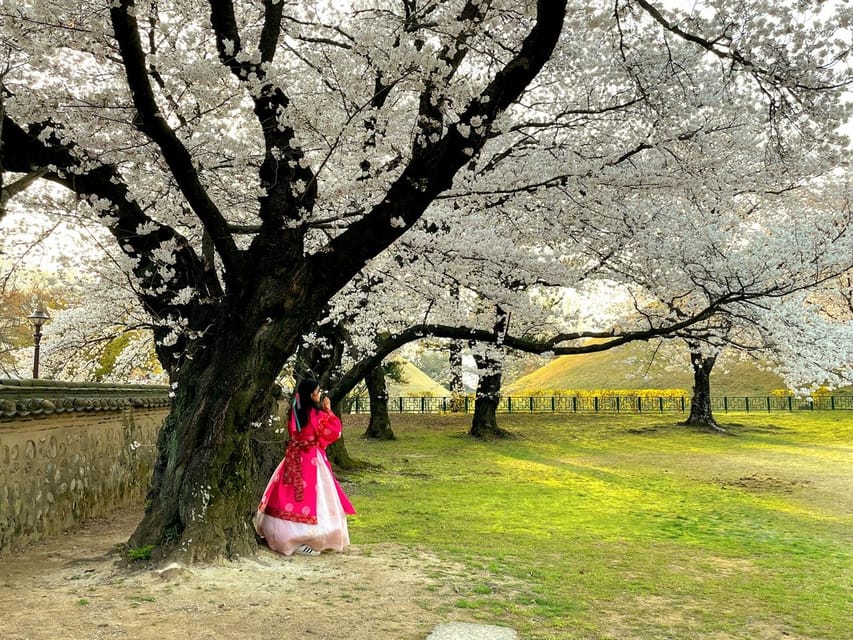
{"x": 23, "y": 398}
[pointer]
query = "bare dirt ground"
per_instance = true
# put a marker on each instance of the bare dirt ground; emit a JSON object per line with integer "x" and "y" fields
{"x": 74, "y": 588}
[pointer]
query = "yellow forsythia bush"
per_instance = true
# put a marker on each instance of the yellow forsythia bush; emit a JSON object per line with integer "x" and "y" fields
{"x": 606, "y": 393}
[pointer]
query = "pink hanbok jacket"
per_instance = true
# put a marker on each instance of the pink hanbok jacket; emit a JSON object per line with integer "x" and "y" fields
{"x": 292, "y": 493}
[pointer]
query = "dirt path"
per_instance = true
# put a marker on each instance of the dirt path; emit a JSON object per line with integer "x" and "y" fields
{"x": 71, "y": 588}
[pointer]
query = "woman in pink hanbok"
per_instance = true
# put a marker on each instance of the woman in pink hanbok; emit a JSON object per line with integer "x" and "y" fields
{"x": 304, "y": 510}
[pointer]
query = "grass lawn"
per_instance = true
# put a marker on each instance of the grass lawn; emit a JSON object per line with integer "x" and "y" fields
{"x": 625, "y": 527}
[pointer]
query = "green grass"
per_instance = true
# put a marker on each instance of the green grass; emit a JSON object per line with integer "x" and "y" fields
{"x": 136, "y": 554}
{"x": 618, "y": 527}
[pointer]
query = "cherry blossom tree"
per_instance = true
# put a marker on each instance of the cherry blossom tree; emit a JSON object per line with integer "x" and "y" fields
{"x": 806, "y": 342}
{"x": 250, "y": 159}
{"x": 767, "y": 252}
{"x": 808, "y": 337}
{"x": 102, "y": 337}
{"x": 231, "y": 312}
{"x": 705, "y": 263}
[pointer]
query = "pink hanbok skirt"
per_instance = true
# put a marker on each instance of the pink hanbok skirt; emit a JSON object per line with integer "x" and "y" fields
{"x": 330, "y": 532}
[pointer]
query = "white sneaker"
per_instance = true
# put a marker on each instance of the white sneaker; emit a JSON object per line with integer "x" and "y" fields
{"x": 307, "y": 550}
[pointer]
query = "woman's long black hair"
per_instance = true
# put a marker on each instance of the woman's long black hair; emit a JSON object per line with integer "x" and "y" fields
{"x": 302, "y": 403}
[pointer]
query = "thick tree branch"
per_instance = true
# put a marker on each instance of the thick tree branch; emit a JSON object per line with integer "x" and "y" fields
{"x": 272, "y": 29}
{"x": 432, "y": 172}
{"x": 609, "y": 339}
{"x": 153, "y": 125}
{"x": 290, "y": 187}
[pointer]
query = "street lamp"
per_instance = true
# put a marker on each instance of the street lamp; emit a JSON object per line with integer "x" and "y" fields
{"x": 37, "y": 318}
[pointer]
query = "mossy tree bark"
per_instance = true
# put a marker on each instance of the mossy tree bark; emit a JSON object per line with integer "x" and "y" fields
{"x": 218, "y": 446}
{"x": 701, "y": 411}
{"x": 484, "y": 425}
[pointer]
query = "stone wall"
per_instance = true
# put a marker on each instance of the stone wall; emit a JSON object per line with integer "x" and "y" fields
{"x": 71, "y": 452}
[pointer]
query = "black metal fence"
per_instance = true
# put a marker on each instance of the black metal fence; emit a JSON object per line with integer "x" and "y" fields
{"x": 609, "y": 404}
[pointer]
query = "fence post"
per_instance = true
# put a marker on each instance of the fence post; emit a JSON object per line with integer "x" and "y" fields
{"x": 790, "y": 404}
{"x": 747, "y": 403}
{"x": 466, "y": 404}
{"x": 574, "y": 404}
{"x": 596, "y": 404}
{"x": 553, "y": 404}
{"x": 768, "y": 404}
{"x": 423, "y": 404}
{"x": 618, "y": 404}
{"x": 639, "y": 404}
{"x": 682, "y": 404}
{"x": 530, "y": 401}
{"x": 660, "y": 404}
{"x": 832, "y": 402}
{"x": 509, "y": 405}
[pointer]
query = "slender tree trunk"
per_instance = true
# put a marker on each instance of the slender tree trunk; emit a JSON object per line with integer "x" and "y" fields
{"x": 485, "y": 423}
{"x": 379, "y": 427}
{"x": 457, "y": 386}
{"x": 701, "y": 412}
{"x": 337, "y": 451}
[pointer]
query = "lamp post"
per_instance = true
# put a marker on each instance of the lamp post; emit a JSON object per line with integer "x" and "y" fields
{"x": 37, "y": 318}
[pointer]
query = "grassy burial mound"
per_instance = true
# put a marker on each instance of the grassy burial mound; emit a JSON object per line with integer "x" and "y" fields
{"x": 643, "y": 365}
{"x": 415, "y": 382}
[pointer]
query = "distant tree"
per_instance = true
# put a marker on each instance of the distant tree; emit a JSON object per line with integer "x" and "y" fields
{"x": 379, "y": 426}
{"x": 456, "y": 382}
{"x": 23, "y": 291}
{"x": 748, "y": 248}
{"x": 15, "y": 331}
{"x": 701, "y": 410}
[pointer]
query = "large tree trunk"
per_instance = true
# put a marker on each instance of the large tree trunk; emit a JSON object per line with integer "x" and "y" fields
{"x": 216, "y": 451}
{"x": 485, "y": 423}
{"x": 701, "y": 412}
{"x": 379, "y": 427}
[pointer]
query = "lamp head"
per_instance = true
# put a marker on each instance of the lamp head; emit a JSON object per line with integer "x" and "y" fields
{"x": 38, "y": 317}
